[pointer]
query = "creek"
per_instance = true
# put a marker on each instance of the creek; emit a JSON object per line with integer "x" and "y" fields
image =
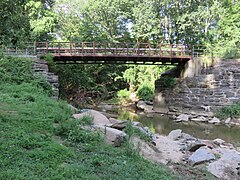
{"x": 163, "y": 125}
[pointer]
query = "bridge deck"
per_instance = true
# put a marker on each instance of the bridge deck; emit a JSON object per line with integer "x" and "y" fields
{"x": 114, "y": 53}
{"x": 109, "y": 53}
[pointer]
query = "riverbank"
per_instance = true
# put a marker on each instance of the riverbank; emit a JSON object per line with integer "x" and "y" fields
{"x": 163, "y": 124}
{"x": 219, "y": 157}
{"x": 40, "y": 140}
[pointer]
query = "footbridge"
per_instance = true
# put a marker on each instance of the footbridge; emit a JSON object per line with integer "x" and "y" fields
{"x": 110, "y": 53}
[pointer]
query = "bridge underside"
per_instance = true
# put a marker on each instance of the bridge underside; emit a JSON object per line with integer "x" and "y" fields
{"x": 119, "y": 59}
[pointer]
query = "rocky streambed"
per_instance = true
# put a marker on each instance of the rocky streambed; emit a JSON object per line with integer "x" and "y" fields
{"x": 180, "y": 115}
{"x": 220, "y": 158}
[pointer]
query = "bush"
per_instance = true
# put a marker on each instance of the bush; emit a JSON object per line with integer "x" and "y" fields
{"x": 73, "y": 131}
{"x": 19, "y": 70}
{"x": 123, "y": 96}
{"x": 145, "y": 93}
{"x": 229, "y": 111}
{"x": 167, "y": 82}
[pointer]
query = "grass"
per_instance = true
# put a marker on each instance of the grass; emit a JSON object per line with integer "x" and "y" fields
{"x": 40, "y": 140}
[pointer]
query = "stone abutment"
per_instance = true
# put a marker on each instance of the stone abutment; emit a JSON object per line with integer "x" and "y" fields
{"x": 205, "y": 85}
{"x": 41, "y": 67}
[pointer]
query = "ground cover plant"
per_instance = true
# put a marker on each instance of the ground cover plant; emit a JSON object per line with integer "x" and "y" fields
{"x": 40, "y": 140}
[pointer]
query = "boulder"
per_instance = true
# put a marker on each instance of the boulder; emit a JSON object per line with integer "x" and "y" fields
{"x": 98, "y": 118}
{"x": 107, "y": 107}
{"x": 120, "y": 125}
{"x": 146, "y": 108}
{"x": 73, "y": 109}
{"x": 218, "y": 141}
{"x": 195, "y": 145}
{"x": 227, "y": 121}
{"x": 188, "y": 137}
{"x": 200, "y": 156}
{"x": 141, "y": 105}
{"x": 112, "y": 136}
{"x": 214, "y": 120}
{"x": 182, "y": 117}
{"x": 114, "y": 120}
{"x": 169, "y": 149}
{"x": 227, "y": 166}
{"x": 137, "y": 124}
{"x": 175, "y": 134}
{"x": 200, "y": 119}
{"x": 147, "y": 150}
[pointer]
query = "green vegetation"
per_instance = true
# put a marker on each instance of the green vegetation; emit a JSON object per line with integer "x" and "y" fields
{"x": 145, "y": 93}
{"x": 124, "y": 96}
{"x": 211, "y": 23}
{"x": 167, "y": 82}
{"x": 40, "y": 140}
{"x": 131, "y": 131}
{"x": 232, "y": 111}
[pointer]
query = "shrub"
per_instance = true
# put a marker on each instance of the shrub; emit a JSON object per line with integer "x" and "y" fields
{"x": 168, "y": 82}
{"x": 229, "y": 111}
{"x": 124, "y": 96}
{"x": 73, "y": 131}
{"x": 131, "y": 130}
{"x": 146, "y": 93}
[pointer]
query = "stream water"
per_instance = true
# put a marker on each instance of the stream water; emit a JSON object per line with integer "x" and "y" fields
{"x": 163, "y": 125}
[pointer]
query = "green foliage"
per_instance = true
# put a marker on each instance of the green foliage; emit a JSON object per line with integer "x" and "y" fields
{"x": 72, "y": 130}
{"x": 96, "y": 80}
{"x": 124, "y": 96}
{"x": 145, "y": 93}
{"x": 228, "y": 30}
{"x": 131, "y": 131}
{"x": 167, "y": 82}
{"x": 37, "y": 20}
{"x": 229, "y": 111}
{"x": 49, "y": 59}
{"x": 19, "y": 70}
{"x": 142, "y": 79}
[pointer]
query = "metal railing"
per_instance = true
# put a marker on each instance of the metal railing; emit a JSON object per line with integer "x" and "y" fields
{"x": 107, "y": 49}
{"x": 29, "y": 49}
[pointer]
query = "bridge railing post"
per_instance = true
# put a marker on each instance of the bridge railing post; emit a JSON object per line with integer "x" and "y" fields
{"x": 149, "y": 53}
{"x": 82, "y": 44}
{"x": 94, "y": 50}
{"x": 70, "y": 48}
{"x": 46, "y": 44}
{"x": 59, "y": 51}
{"x": 171, "y": 54}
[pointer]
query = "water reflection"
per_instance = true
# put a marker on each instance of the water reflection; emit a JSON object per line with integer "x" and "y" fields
{"x": 163, "y": 125}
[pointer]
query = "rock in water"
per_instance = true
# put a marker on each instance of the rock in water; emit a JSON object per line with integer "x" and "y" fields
{"x": 227, "y": 120}
{"x": 200, "y": 156}
{"x": 214, "y": 121}
{"x": 146, "y": 108}
{"x": 182, "y": 117}
{"x": 175, "y": 134}
{"x": 199, "y": 119}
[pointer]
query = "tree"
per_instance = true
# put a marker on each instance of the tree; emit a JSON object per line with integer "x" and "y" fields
{"x": 228, "y": 30}
{"x": 23, "y": 21}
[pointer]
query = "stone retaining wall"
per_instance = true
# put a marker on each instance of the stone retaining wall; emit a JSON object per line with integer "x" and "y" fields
{"x": 215, "y": 87}
{"x": 41, "y": 67}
